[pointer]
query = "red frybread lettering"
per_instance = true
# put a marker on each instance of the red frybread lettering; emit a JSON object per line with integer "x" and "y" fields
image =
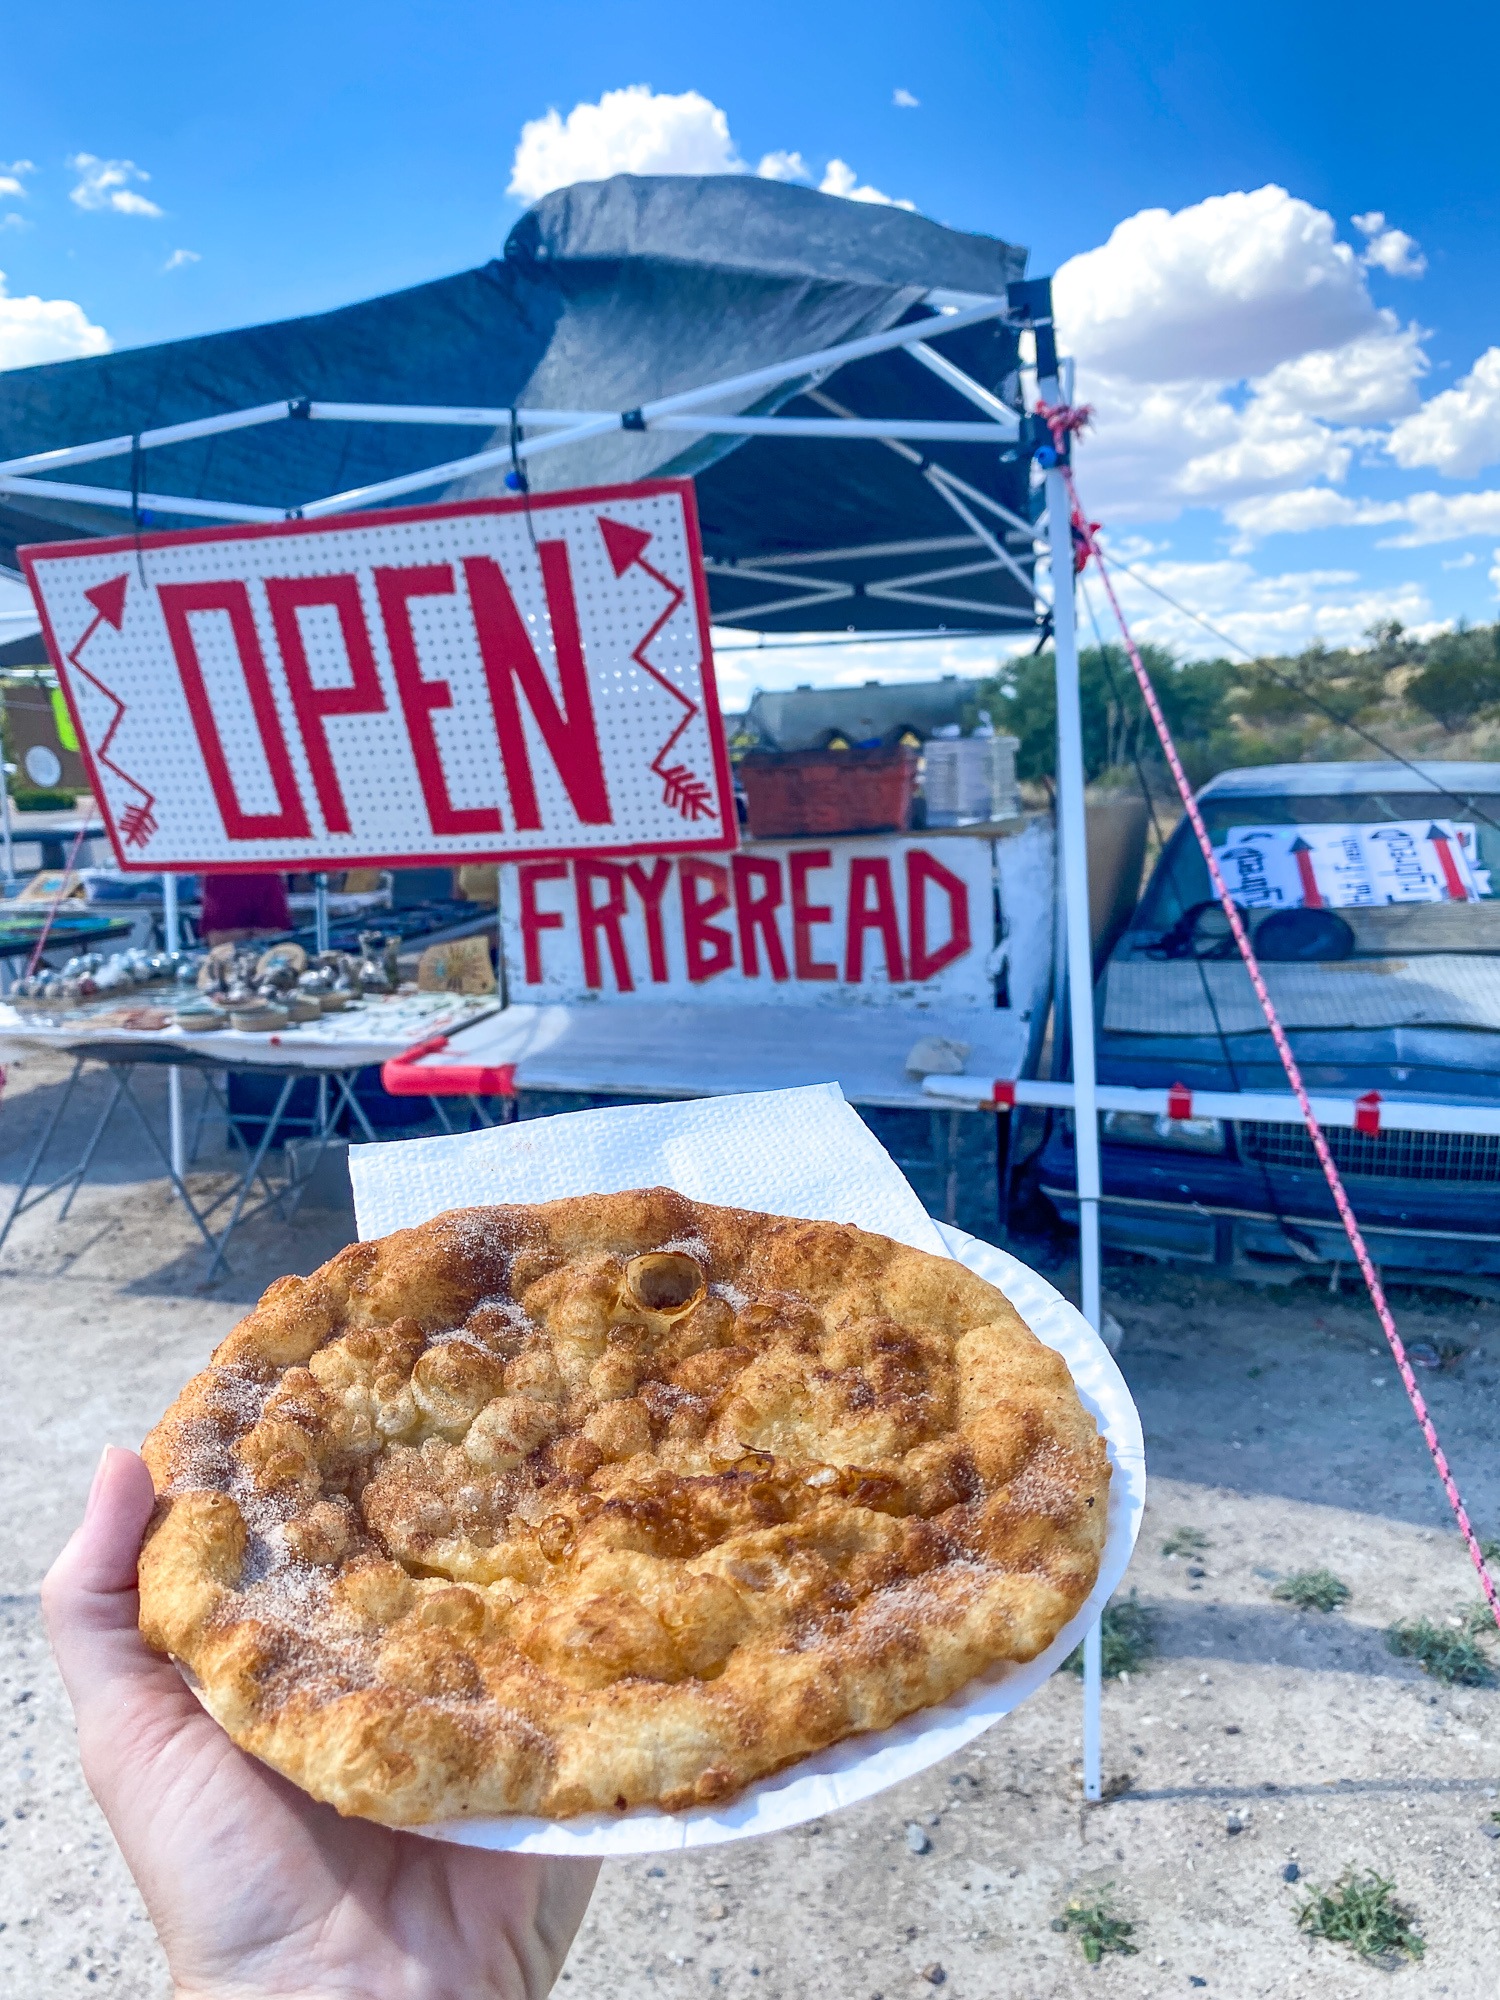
{"x": 606, "y": 916}
{"x": 867, "y": 872}
{"x": 755, "y": 910}
{"x": 178, "y": 602}
{"x": 923, "y": 868}
{"x": 509, "y": 657}
{"x": 650, "y": 885}
{"x": 287, "y": 595}
{"x": 805, "y": 914}
{"x": 710, "y": 950}
{"x": 533, "y": 920}
{"x": 419, "y": 697}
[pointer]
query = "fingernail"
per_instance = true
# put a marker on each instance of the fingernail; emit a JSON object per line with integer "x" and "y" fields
{"x": 98, "y": 1482}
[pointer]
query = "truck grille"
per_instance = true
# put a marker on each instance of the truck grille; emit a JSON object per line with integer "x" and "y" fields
{"x": 1405, "y": 1156}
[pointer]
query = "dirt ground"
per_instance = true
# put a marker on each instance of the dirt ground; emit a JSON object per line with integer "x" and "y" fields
{"x": 1256, "y": 1737}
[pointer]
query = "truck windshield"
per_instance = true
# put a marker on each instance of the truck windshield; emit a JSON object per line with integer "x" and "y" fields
{"x": 1180, "y": 878}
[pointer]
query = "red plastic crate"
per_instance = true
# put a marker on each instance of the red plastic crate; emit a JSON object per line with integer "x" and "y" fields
{"x": 829, "y": 791}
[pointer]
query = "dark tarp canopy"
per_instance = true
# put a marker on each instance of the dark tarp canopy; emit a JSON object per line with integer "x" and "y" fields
{"x": 611, "y": 294}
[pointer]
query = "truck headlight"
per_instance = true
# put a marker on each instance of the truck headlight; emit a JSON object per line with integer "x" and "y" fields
{"x": 1147, "y": 1128}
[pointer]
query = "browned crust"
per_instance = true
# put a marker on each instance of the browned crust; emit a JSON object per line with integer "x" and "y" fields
{"x": 458, "y": 1526}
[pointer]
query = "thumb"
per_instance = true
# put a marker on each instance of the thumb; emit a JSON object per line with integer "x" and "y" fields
{"x": 89, "y": 1594}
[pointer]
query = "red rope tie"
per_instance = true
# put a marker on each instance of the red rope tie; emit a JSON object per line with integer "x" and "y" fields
{"x": 1289, "y": 1065}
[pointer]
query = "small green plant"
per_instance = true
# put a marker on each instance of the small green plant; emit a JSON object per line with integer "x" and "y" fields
{"x": 1185, "y": 1542}
{"x": 1359, "y": 1911}
{"x": 1490, "y": 1550}
{"x": 1453, "y": 1657}
{"x": 1098, "y": 1928}
{"x": 1313, "y": 1590}
{"x": 1479, "y": 1621}
{"x": 1127, "y": 1636}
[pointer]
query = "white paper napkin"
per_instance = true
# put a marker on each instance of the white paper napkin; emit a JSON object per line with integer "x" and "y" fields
{"x": 784, "y": 1152}
{"x": 787, "y": 1152}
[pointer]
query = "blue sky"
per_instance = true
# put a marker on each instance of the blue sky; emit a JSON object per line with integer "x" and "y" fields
{"x": 1299, "y": 416}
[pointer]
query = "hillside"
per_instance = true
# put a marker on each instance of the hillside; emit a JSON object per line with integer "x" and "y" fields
{"x": 1434, "y": 698}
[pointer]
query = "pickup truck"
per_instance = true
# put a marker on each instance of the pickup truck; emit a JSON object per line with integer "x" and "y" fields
{"x": 1371, "y": 893}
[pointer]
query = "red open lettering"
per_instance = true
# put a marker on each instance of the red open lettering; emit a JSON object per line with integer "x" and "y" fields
{"x": 594, "y": 917}
{"x": 533, "y": 920}
{"x": 178, "y": 602}
{"x": 710, "y": 950}
{"x": 805, "y": 914}
{"x": 287, "y": 595}
{"x": 755, "y": 908}
{"x": 922, "y": 869}
{"x": 419, "y": 697}
{"x": 509, "y": 657}
{"x": 868, "y": 872}
{"x": 649, "y": 885}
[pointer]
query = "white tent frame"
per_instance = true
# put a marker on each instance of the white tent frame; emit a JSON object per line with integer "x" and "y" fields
{"x": 691, "y": 413}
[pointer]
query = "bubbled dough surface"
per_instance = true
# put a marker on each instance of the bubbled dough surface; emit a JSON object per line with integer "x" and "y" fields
{"x": 454, "y": 1527}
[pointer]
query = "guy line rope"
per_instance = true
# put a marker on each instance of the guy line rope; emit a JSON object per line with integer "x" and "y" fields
{"x": 1063, "y": 420}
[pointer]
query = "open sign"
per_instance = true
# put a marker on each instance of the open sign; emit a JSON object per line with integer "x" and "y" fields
{"x": 472, "y": 681}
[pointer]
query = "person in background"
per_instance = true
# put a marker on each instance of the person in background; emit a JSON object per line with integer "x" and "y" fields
{"x": 240, "y": 907}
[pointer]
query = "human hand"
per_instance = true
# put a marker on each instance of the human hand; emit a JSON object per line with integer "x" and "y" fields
{"x": 255, "y": 1889}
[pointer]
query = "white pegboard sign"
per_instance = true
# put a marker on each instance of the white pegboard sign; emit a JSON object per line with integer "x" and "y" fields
{"x": 484, "y": 680}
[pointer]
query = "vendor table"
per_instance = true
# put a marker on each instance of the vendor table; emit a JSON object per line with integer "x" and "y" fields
{"x": 656, "y": 1050}
{"x": 332, "y": 1052}
{"x": 71, "y": 931}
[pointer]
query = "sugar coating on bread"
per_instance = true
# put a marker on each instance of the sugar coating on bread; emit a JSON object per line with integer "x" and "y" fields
{"x": 622, "y": 1500}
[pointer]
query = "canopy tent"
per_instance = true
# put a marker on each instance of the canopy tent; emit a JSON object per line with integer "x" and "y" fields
{"x": 840, "y": 379}
{"x": 610, "y": 297}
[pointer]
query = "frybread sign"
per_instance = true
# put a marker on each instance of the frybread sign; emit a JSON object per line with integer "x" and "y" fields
{"x": 882, "y": 920}
{"x": 482, "y": 680}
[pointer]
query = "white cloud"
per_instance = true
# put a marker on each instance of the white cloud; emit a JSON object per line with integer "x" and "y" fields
{"x": 641, "y": 131}
{"x": 903, "y": 99}
{"x": 106, "y": 184}
{"x": 1371, "y": 377}
{"x": 784, "y": 167}
{"x": 1264, "y": 614}
{"x": 840, "y": 178}
{"x": 1389, "y": 250}
{"x": 1426, "y": 517}
{"x": 1457, "y": 431}
{"x": 631, "y": 131}
{"x": 1224, "y": 290}
{"x": 1230, "y": 349}
{"x": 12, "y": 178}
{"x": 1495, "y": 573}
{"x": 1466, "y": 561}
{"x": 180, "y": 257}
{"x": 33, "y": 329}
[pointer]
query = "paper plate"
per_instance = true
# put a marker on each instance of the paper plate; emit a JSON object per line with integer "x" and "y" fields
{"x": 860, "y": 1766}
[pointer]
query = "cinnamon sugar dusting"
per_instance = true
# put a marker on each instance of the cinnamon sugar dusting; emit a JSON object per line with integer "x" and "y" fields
{"x": 541, "y": 1509}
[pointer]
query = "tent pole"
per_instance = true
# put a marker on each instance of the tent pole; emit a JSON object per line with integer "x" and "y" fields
{"x": 172, "y": 941}
{"x": 1072, "y": 827}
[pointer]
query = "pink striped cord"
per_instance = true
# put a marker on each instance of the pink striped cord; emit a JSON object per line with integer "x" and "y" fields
{"x": 1085, "y": 531}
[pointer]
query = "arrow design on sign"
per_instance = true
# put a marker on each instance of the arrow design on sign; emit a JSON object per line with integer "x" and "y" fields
{"x": 1457, "y": 893}
{"x": 1312, "y": 895}
{"x": 138, "y": 821}
{"x": 681, "y": 789}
